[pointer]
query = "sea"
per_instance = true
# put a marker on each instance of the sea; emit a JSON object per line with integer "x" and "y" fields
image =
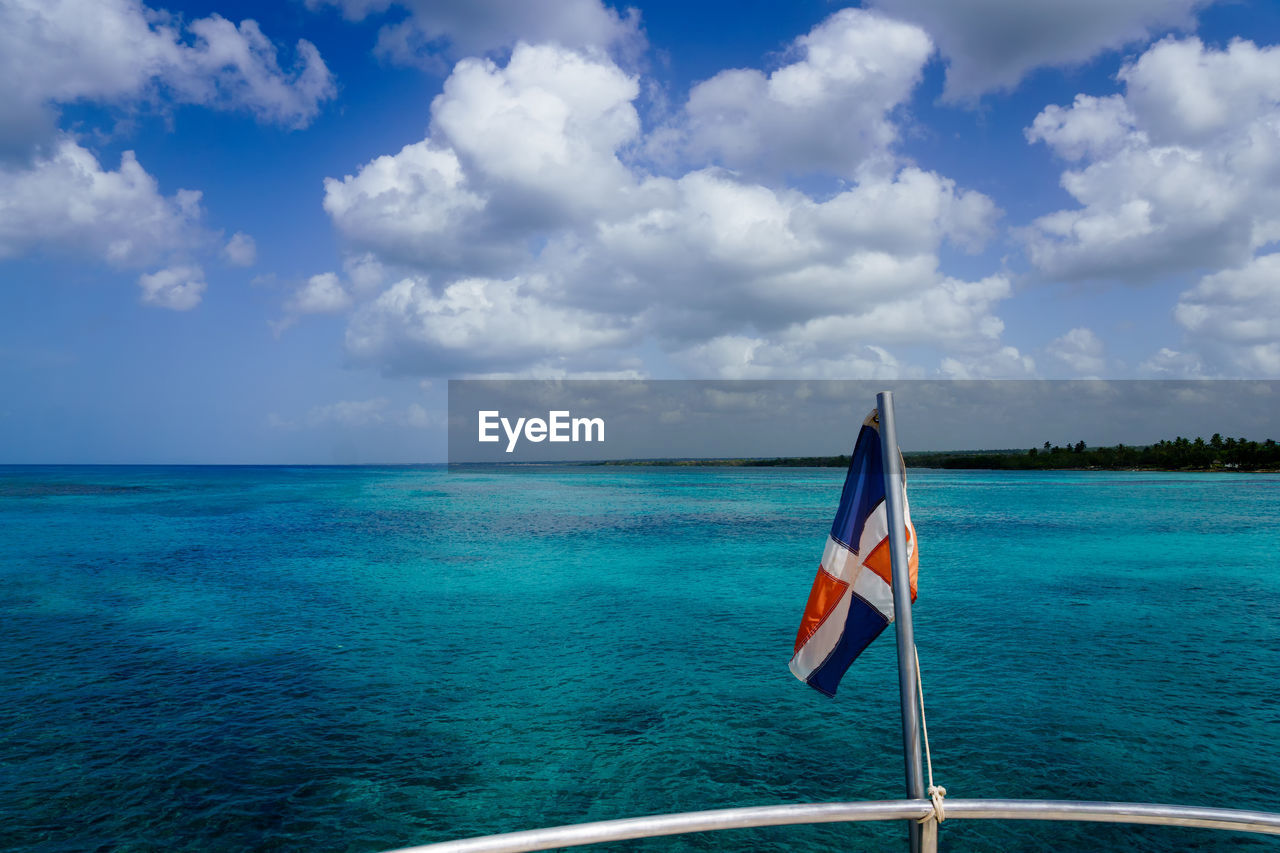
{"x": 365, "y": 658}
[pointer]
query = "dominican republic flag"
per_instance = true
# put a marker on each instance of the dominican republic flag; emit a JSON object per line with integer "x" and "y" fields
{"x": 852, "y": 597}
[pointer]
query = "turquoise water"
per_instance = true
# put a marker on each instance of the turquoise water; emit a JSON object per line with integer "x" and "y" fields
{"x": 357, "y": 658}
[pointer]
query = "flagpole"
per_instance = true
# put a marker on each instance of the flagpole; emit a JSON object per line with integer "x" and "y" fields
{"x": 893, "y": 490}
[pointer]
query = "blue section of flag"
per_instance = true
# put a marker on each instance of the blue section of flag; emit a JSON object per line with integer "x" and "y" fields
{"x": 863, "y": 489}
{"x": 863, "y": 625}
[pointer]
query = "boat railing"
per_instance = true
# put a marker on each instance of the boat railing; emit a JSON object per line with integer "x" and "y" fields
{"x": 652, "y": 826}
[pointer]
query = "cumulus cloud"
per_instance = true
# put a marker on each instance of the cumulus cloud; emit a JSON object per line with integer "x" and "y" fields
{"x": 1003, "y": 362}
{"x": 461, "y": 28}
{"x": 512, "y": 151}
{"x": 366, "y": 273}
{"x": 991, "y": 45}
{"x": 829, "y": 111}
{"x": 408, "y": 207}
{"x": 178, "y": 288}
{"x": 241, "y": 250}
{"x": 1176, "y": 174}
{"x": 69, "y": 203}
{"x": 235, "y": 67}
{"x": 547, "y": 126}
{"x": 949, "y": 313}
{"x": 1182, "y": 94}
{"x": 520, "y": 233}
{"x": 1179, "y": 174}
{"x": 1167, "y": 363}
{"x": 1237, "y": 313}
{"x": 1093, "y": 127}
{"x": 322, "y": 294}
{"x": 118, "y": 51}
{"x": 477, "y": 326}
{"x": 720, "y": 250}
{"x": 58, "y": 197}
{"x": 747, "y": 357}
{"x": 1081, "y": 351}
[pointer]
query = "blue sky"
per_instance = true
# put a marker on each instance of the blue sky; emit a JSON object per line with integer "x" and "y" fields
{"x": 246, "y": 232}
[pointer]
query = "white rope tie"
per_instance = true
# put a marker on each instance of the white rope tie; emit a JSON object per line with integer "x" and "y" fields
{"x": 936, "y": 792}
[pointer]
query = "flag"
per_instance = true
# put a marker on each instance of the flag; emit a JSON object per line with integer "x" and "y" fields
{"x": 852, "y": 597}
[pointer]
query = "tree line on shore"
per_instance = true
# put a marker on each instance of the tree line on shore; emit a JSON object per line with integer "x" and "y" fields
{"x": 1177, "y": 454}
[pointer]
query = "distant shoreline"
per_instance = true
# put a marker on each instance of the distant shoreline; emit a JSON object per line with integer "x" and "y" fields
{"x": 821, "y": 462}
{"x": 1178, "y": 455}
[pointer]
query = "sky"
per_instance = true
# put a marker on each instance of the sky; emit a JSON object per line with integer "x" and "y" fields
{"x": 236, "y": 232}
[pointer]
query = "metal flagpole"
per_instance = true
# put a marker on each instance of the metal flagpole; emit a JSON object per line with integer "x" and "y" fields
{"x": 893, "y": 490}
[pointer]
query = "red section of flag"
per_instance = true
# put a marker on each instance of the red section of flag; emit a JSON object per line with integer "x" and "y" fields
{"x": 878, "y": 561}
{"x": 823, "y": 598}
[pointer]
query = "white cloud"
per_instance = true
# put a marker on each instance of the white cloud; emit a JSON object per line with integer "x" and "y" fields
{"x": 547, "y": 126}
{"x": 746, "y": 357}
{"x": 476, "y": 325}
{"x": 519, "y": 236}
{"x": 997, "y": 363}
{"x": 240, "y": 250}
{"x": 1080, "y": 350}
{"x": 836, "y": 345}
{"x": 322, "y": 294}
{"x": 365, "y": 272}
{"x": 69, "y": 203}
{"x": 476, "y": 27}
{"x": 827, "y": 112}
{"x": 513, "y": 153}
{"x": 709, "y": 256}
{"x": 58, "y": 197}
{"x": 992, "y": 44}
{"x": 1094, "y": 127}
{"x": 179, "y": 288}
{"x": 408, "y": 208}
{"x": 717, "y": 253}
{"x": 1260, "y": 359}
{"x": 1235, "y": 314}
{"x": 118, "y": 51}
{"x": 1182, "y": 94}
{"x": 1177, "y": 174}
{"x": 233, "y": 66}
{"x": 1169, "y": 363}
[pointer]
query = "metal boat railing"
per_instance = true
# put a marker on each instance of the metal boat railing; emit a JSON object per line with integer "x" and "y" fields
{"x": 653, "y": 826}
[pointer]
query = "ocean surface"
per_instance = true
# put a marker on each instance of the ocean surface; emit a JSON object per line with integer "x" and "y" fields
{"x": 355, "y": 659}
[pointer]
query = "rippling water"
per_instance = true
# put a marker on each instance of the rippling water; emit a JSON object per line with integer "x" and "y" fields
{"x": 358, "y": 658}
